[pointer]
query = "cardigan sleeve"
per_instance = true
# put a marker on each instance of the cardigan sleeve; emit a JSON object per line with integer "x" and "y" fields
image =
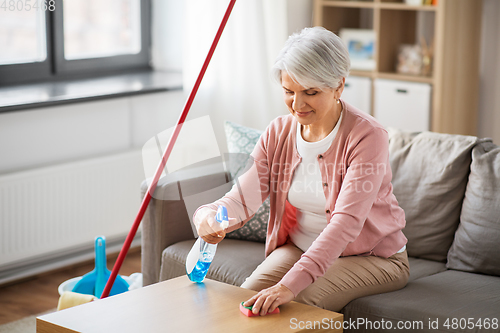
{"x": 358, "y": 192}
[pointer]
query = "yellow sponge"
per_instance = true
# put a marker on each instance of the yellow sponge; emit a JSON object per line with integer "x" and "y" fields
{"x": 69, "y": 299}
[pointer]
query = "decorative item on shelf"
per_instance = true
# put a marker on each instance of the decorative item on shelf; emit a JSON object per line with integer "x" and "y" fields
{"x": 409, "y": 59}
{"x": 361, "y": 46}
{"x": 427, "y": 57}
{"x": 428, "y": 2}
{"x": 414, "y": 2}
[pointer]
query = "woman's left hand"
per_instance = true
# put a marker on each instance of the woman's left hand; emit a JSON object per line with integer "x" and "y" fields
{"x": 267, "y": 300}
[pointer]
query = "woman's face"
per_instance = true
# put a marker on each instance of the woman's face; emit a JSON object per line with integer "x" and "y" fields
{"x": 315, "y": 108}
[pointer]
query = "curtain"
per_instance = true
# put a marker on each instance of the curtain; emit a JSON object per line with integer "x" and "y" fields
{"x": 237, "y": 85}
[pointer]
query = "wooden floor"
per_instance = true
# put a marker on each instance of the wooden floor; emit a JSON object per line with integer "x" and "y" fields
{"x": 39, "y": 294}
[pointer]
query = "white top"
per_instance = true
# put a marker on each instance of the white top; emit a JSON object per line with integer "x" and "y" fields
{"x": 306, "y": 191}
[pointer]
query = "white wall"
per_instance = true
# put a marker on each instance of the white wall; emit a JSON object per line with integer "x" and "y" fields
{"x": 51, "y": 135}
{"x": 167, "y": 34}
{"x": 489, "y": 86}
{"x": 299, "y": 15}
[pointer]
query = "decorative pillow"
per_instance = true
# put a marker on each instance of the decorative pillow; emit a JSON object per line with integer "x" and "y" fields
{"x": 429, "y": 177}
{"x": 476, "y": 244}
{"x": 241, "y": 141}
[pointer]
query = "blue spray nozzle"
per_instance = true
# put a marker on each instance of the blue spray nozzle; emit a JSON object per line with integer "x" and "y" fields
{"x": 221, "y": 216}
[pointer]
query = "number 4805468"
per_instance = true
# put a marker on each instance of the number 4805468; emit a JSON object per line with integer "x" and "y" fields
{"x": 28, "y": 5}
{"x": 471, "y": 323}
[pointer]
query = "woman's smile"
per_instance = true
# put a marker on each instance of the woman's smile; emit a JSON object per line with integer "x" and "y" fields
{"x": 303, "y": 114}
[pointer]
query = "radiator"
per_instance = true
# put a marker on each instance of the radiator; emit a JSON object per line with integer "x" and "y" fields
{"x": 50, "y": 216}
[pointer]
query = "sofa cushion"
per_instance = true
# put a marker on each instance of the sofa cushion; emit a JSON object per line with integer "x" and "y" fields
{"x": 227, "y": 264}
{"x": 429, "y": 177}
{"x": 422, "y": 267}
{"x": 241, "y": 141}
{"x": 443, "y": 296}
{"x": 476, "y": 244}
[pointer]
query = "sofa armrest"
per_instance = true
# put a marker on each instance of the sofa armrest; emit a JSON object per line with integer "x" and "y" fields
{"x": 167, "y": 218}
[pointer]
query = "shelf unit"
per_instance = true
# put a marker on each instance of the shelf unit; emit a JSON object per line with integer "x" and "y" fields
{"x": 454, "y": 26}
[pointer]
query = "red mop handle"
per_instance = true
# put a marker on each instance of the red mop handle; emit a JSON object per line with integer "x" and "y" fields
{"x": 163, "y": 162}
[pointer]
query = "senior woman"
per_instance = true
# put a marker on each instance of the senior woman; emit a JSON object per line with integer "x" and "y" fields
{"x": 334, "y": 231}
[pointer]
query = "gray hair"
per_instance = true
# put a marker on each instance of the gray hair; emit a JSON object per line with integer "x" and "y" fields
{"x": 314, "y": 58}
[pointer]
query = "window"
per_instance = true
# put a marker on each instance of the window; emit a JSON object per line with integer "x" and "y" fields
{"x": 48, "y": 40}
{"x": 96, "y": 28}
{"x": 23, "y": 36}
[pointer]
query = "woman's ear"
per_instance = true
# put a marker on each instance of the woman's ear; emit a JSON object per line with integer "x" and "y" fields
{"x": 340, "y": 88}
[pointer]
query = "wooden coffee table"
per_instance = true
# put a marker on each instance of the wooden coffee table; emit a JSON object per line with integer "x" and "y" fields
{"x": 179, "y": 305}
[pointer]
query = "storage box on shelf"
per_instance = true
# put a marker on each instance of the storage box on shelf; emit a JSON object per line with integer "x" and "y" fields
{"x": 403, "y": 105}
{"x": 453, "y": 29}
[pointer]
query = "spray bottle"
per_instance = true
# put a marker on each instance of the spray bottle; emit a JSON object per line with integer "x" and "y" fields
{"x": 202, "y": 253}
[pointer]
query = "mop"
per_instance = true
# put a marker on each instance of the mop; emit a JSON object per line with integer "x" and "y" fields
{"x": 165, "y": 157}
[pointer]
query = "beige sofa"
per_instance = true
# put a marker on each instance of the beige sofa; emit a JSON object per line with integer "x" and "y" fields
{"x": 449, "y": 187}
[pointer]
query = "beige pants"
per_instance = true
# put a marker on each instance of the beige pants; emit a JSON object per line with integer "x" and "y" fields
{"x": 348, "y": 278}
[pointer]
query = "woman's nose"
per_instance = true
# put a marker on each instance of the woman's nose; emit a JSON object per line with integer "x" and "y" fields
{"x": 298, "y": 103}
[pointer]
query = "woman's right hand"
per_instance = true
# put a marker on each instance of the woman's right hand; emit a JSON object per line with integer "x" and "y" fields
{"x": 207, "y": 227}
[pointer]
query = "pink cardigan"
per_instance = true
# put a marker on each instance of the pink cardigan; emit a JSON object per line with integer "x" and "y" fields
{"x": 363, "y": 213}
